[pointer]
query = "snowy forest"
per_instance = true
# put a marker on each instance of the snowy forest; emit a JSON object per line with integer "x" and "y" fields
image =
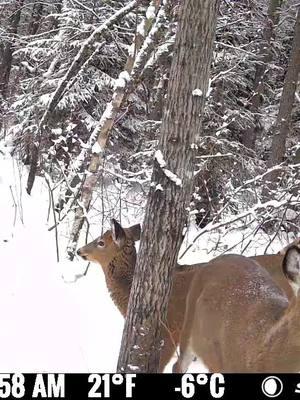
{"x": 83, "y": 89}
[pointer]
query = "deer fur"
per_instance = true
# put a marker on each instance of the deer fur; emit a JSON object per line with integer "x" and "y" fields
{"x": 115, "y": 252}
{"x": 239, "y": 320}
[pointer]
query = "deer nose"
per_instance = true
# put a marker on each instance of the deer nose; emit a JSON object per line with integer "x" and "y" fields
{"x": 78, "y": 252}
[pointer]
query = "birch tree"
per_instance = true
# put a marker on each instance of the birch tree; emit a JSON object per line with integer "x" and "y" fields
{"x": 98, "y": 139}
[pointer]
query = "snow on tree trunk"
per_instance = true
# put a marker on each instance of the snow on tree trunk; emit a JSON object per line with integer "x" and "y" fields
{"x": 171, "y": 187}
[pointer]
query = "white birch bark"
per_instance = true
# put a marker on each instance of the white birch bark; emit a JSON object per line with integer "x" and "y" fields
{"x": 98, "y": 139}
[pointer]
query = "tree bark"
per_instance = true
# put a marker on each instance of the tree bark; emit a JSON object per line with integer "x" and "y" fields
{"x": 281, "y": 127}
{"x": 36, "y": 17}
{"x": 170, "y": 192}
{"x": 265, "y": 57}
{"x": 7, "y": 54}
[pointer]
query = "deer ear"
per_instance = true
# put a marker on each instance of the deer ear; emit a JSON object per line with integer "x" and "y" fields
{"x": 291, "y": 265}
{"x": 118, "y": 233}
{"x": 134, "y": 232}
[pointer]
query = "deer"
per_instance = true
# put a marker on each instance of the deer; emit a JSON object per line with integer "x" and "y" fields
{"x": 116, "y": 253}
{"x": 238, "y": 319}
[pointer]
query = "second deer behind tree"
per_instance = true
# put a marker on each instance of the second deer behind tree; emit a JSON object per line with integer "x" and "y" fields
{"x": 238, "y": 320}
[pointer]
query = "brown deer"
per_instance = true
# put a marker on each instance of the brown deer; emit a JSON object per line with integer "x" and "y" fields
{"x": 239, "y": 320}
{"x": 115, "y": 252}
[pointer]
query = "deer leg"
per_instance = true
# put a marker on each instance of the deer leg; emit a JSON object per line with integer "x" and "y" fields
{"x": 167, "y": 351}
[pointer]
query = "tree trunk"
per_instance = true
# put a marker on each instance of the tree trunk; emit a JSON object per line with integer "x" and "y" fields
{"x": 170, "y": 192}
{"x": 281, "y": 127}
{"x": 7, "y": 54}
{"x": 58, "y": 7}
{"x": 36, "y": 16}
{"x": 265, "y": 57}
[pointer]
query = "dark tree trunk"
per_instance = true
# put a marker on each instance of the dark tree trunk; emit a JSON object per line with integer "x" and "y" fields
{"x": 58, "y": 10}
{"x": 280, "y": 129}
{"x": 7, "y": 53}
{"x": 265, "y": 57}
{"x": 36, "y": 16}
{"x": 169, "y": 195}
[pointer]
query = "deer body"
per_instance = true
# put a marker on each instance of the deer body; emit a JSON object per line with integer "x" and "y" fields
{"x": 115, "y": 252}
{"x": 271, "y": 262}
{"x": 239, "y": 320}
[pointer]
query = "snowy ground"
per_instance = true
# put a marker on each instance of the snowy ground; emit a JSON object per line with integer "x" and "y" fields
{"x": 48, "y": 324}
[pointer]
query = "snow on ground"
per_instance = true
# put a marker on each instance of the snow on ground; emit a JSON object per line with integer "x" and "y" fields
{"x": 50, "y": 323}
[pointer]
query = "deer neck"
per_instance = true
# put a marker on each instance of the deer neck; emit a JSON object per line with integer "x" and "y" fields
{"x": 119, "y": 275}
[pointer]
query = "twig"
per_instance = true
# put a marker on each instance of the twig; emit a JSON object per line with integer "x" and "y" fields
{"x": 15, "y": 205}
{"x": 236, "y": 48}
{"x": 86, "y": 270}
{"x": 171, "y": 337}
{"x": 253, "y": 180}
{"x": 18, "y": 191}
{"x": 54, "y": 215}
{"x": 277, "y": 230}
{"x": 49, "y": 205}
{"x": 210, "y": 227}
{"x": 253, "y": 233}
{"x": 63, "y": 217}
{"x": 90, "y": 10}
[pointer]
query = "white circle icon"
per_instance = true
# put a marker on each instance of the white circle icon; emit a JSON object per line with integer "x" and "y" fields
{"x": 272, "y": 386}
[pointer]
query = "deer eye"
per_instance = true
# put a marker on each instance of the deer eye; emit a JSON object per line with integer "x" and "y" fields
{"x": 101, "y": 243}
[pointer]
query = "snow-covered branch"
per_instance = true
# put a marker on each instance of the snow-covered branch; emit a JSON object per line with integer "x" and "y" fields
{"x": 81, "y": 57}
{"x": 274, "y": 204}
